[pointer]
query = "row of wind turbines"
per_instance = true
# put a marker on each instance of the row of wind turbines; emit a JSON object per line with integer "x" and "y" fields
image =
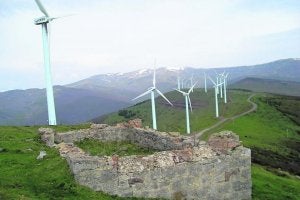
{"x": 220, "y": 87}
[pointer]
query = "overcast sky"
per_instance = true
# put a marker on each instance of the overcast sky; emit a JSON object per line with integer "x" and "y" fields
{"x": 109, "y": 36}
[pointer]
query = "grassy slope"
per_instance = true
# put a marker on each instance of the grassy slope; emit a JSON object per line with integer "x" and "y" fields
{"x": 171, "y": 118}
{"x": 270, "y": 186}
{"x": 266, "y": 130}
{"x": 24, "y": 177}
{"x": 273, "y": 137}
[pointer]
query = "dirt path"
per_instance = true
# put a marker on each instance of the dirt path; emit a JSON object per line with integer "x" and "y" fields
{"x": 254, "y": 107}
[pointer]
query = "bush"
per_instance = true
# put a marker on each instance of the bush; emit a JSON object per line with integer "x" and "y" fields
{"x": 126, "y": 113}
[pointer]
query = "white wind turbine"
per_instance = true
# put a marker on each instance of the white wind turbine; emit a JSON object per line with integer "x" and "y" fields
{"x": 43, "y": 21}
{"x": 225, "y": 87}
{"x": 187, "y": 103}
{"x": 205, "y": 86}
{"x": 216, "y": 86}
{"x": 192, "y": 82}
{"x": 151, "y": 90}
{"x": 178, "y": 83}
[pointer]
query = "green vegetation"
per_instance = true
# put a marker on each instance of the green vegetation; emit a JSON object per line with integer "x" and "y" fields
{"x": 97, "y": 148}
{"x": 288, "y": 105}
{"x": 172, "y": 118}
{"x": 273, "y": 137}
{"x": 24, "y": 177}
{"x": 268, "y": 185}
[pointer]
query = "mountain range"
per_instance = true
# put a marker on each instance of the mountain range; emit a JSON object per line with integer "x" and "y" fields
{"x": 101, "y": 94}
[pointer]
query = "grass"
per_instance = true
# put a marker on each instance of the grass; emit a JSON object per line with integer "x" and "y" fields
{"x": 270, "y": 133}
{"x": 24, "y": 177}
{"x": 273, "y": 186}
{"x": 273, "y": 137}
{"x": 98, "y": 148}
{"x": 173, "y": 118}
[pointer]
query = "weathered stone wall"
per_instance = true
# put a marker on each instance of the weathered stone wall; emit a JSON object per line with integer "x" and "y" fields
{"x": 146, "y": 138}
{"x": 220, "y": 169}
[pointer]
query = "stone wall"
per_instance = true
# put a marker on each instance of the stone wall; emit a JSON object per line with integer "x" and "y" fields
{"x": 146, "y": 138}
{"x": 221, "y": 170}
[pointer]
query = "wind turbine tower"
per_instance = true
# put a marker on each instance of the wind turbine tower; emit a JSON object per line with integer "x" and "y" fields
{"x": 152, "y": 91}
{"x": 187, "y": 104}
{"x": 43, "y": 21}
{"x": 205, "y": 86}
{"x": 225, "y": 88}
{"x": 216, "y": 86}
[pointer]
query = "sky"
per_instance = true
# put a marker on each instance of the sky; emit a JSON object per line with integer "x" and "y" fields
{"x": 111, "y": 36}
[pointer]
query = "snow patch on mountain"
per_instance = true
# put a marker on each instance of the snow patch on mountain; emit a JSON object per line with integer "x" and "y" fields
{"x": 174, "y": 69}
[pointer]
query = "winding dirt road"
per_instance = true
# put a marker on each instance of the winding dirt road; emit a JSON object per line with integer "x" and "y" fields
{"x": 254, "y": 107}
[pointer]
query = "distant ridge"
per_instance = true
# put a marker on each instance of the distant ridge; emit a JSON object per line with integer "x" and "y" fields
{"x": 101, "y": 94}
{"x": 290, "y": 88}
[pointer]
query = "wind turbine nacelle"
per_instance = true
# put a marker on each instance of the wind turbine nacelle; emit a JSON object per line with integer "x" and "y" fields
{"x": 41, "y": 20}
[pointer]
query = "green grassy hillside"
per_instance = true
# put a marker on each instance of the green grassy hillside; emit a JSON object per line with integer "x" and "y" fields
{"x": 173, "y": 118}
{"x": 271, "y": 134}
{"x": 24, "y": 177}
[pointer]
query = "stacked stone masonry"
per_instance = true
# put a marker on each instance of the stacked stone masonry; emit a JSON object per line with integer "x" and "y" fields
{"x": 220, "y": 169}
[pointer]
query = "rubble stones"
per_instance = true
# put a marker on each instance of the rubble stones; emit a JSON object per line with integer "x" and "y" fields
{"x": 224, "y": 141}
{"x": 47, "y": 136}
{"x": 214, "y": 170}
{"x": 41, "y": 155}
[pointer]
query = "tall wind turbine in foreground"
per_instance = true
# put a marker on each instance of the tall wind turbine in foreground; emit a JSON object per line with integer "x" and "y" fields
{"x": 151, "y": 90}
{"x": 216, "y": 86}
{"x": 43, "y": 21}
{"x": 187, "y": 103}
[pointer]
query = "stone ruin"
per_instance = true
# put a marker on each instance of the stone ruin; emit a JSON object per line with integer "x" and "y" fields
{"x": 218, "y": 169}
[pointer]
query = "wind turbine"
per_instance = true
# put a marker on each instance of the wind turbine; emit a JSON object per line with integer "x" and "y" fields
{"x": 151, "y": 90}
{"x": 216, "y": 86}
{"x": 225, "y": 87}
{"x": 221, "y": 82}
{"x": 178, "y": 83}
{"x": 43, "y": 21}
{"x": 205, "y": 86}
{"x": 192, "y": 82}
{"x": 187, "y": 103}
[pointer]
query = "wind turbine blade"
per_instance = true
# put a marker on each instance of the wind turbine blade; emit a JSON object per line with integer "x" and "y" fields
{"x": 161, "y": 94}
{"x": 63, "y": 16}
{"x": 192, "y": 87}
{"x": 190, "y": 103}
{"x": 212, "y": 80}
{"x": 180, "y": 91}
{"x": 41, "y": 7}
{"x": 147, "y": 92}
